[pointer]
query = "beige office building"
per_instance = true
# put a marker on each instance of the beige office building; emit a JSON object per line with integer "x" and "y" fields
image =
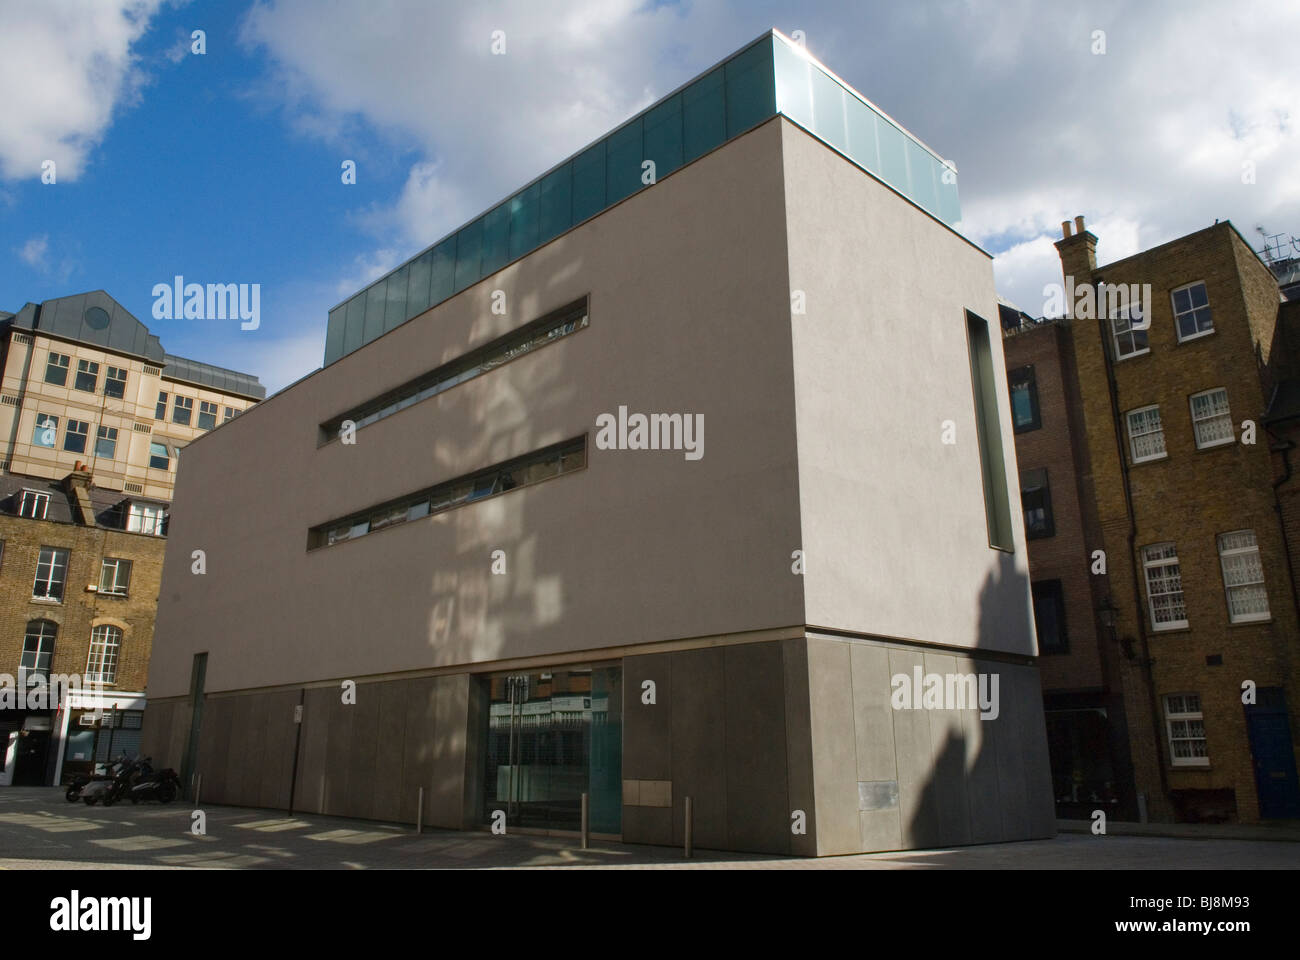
{"x": 85, "y": 382}
{"x": 643, "y": 488}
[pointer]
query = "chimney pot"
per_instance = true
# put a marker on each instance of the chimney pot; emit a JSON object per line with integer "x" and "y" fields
{"x": 1065, "y": 229}
{"x": 1078, "y": 222}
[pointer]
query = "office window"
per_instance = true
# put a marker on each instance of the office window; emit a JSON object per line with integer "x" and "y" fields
{"x": 51, "y": 571}
{"x": 988, "y": 429}
{"x": 229, "y": 414}
{"x": 38, "y": 648}
{"x": 160, "y": 411}
{"x": 106, "y": 443}
{"x": 533, "y": 336}
{"x": 33, "y": 504}
{"x": 114, "y": 576}
{"x": 1164, "y": 586}
{"x": 115, "y": 383}
{"x": 1211, "y": 420}
{"x": 1185, "y": 725}
{"x": 1130, "y": 341}
{"x": 159, "y": 458}
{"x": 1024, "y": 399}
{"x": 1192, "y": 311}
{"x": 181, "y": 410}
{"x": 101, "y": 665}
{"x": 87, "y": 376}
{"x": 522, "y": 471}
{"x": 1036, "y": 504}
{"x": 1243, "y": 576}
{"x": 1049, "y": 616}
{"x": 74, "y": 438}
{"x": 146, "y": 518}
{"x": 56, "y": 369}
{"x": 207, "y": 415}
{"x": 46, "y": 431}
{"x": 1146, "y": 434}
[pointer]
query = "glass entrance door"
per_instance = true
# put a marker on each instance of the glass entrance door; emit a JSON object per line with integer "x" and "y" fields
{"x": 552, "y": 736}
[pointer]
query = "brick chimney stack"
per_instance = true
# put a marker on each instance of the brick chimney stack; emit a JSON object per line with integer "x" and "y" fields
{"x": 77, "y": 485}
{"x": 1078, "y": 252}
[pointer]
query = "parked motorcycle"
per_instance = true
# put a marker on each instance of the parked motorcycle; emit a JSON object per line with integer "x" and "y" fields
{"x": 110, "y": 791}
{"x": 79, "y": 784}
{"x": 161, "y": 785}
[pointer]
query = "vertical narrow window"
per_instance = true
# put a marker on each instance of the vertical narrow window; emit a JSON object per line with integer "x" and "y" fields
{"x": 1049, "y": 616}
{"x": 1243, "y": 576}
{"x": 1036, "y": 504}
{"x": 1024, "y": 399}
{"x": 51, "y": 571}
{"x": 1192, "y": 311}
{"x": 1164, "y": 578}
{"x": 101, "y": 664}
{"x": 997, "y": 501}
{"x": 33, "y": 504}
{"x": 181, "y": 410}
{"x": 1186, "y": 727}
{"x": 1146, "y": 435}
{"x": 160, "y": 411}
{"x": 38, "y": 648}
{"x": 229, "y": 415}
{"x": 1211, "y": 419}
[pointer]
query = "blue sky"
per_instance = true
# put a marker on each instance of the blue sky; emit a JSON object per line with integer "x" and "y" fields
{"x": 225, "y": 167}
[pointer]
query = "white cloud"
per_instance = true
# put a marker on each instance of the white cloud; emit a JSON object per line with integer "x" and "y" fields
{"x": 66, "y": 67}
{"x": 35, "y": 251}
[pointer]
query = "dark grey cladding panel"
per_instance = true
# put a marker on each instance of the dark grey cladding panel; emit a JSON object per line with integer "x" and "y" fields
{"x": 218, "y": 378}
{"x": 74, "y": 318}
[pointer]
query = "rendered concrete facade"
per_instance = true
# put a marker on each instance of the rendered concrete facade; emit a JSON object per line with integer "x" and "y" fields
{"x": 823, "y": 434}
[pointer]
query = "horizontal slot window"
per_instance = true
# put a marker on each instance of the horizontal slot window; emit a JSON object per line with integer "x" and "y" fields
{"x": 539, "y": 333}
{"x": 523, "y": 471}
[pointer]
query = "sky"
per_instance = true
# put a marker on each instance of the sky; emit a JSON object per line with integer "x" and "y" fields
{"x": 1152, "y": 120}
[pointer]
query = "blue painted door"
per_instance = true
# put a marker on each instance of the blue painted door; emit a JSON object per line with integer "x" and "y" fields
{"x": 1271, "y": 748}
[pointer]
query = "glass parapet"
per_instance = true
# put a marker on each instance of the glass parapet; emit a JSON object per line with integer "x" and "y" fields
{"x": 770, "y": 76}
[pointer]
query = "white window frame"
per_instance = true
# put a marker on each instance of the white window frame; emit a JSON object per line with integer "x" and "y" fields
{"x": 106, "y": 642}
{"x": 1149, "y": 563}
{"x": 1184, "y": 715}
{"x": 119, "y": 584}
{"x": 1125, "y": 314}
{"x": 1178, "y": 330}
{"x": 42, "y": 648}
{"x": 1227, "y": 412}
{"x": 1225, "y": 556}
{"x": 40, "y": 502}
{"x": 146, "y": 518}
{"x": 1132, "y": 438}
{"x": 46, "y": 422}
{"x": 49, "y": 579}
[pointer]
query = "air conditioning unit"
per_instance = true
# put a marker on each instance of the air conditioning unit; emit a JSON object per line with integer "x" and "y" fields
{"x": 86, "y": 720}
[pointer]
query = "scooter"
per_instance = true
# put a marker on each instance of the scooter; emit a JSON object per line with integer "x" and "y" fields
{"x": 79, "y": 784}
{"x": 109, "y": 791}
{"x": 161, "y": 785}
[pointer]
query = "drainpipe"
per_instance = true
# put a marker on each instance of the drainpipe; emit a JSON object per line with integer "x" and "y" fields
{"x": 1157, "y": 726}
{"x": 1285, "y": 449}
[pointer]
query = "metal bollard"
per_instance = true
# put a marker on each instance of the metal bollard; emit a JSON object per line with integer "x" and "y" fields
{"x": 585, "y": 821}
{"x": 419, "y": 814}
{"x": 690, "y": 840}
